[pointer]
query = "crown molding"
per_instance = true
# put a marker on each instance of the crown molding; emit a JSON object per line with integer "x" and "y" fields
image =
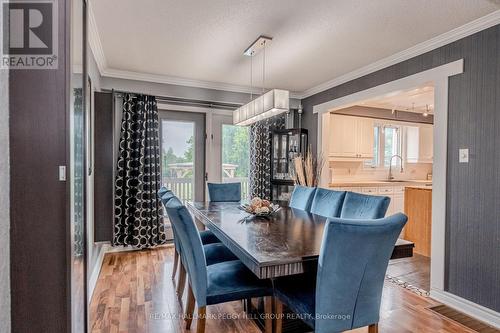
{"x": 465, "y": 30}
{"x": 94, "y": 40}
{"x": 167, "y": 79}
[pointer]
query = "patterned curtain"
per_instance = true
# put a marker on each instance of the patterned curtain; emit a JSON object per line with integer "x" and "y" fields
{"x": 260, "y": 155}
{"x": 138, "y": 212}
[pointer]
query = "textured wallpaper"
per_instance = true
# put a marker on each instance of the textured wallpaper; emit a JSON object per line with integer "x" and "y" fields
{"x": 4, "y": 204}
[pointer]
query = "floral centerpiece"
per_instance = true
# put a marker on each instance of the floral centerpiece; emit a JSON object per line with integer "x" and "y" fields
{"x": 260, "y": 207}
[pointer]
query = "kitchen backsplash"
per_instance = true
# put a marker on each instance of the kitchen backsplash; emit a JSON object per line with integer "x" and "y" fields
{"x": 343, "y": 171}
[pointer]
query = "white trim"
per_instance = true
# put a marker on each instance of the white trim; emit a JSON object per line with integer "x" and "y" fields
{"x": 94, "y": 276}
{"x": 95, "y": 40}
{"x": 174, "y": 80}
{"x": 439, "y": 76}
{"x": 408, "y": 82}
{"x": 465, "y": 30}
{"x": 479, "y": 312}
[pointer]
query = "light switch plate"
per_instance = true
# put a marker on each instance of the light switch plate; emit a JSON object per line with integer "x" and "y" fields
{"x": 463, "y": 155}
{"x": 62, "y": 173}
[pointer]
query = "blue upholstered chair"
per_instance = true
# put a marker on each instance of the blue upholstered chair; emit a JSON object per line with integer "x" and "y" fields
{"x": 327, "y": 202}
{"x": 302, "y": 197}
{"x": 228, "y": 192}
{"x": 214, "y": 284}
{"x": 207, "y": 237}
{"x": 347, "y": 289}
{"x": 362, "y": 206}
{"x": 162, "y": 191}
{"x": 215, "y": 251}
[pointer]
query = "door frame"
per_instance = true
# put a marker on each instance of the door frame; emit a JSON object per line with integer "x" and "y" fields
{"x": 439, "y": 76}
{"x": 209, "y": 130}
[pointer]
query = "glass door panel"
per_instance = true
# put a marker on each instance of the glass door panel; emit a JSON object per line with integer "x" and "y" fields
{"x": 178, "y": 157}
{"x": 236, "y": 156}
{"x": 182, "y": 136}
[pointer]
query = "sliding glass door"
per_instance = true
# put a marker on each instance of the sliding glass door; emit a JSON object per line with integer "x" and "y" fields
{"x": 232, "y": 151}
{"x": 182, "y": 137}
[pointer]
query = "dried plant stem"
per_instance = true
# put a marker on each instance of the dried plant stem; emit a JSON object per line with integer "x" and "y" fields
{"x": 307, "y": 169}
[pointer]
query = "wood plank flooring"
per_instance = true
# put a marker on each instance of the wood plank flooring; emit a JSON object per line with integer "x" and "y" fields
{"x": 415, "y": 271}
{"x": 135, "y": 293}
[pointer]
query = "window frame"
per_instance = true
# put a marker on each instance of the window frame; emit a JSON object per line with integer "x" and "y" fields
{"x": 379, "y": 155}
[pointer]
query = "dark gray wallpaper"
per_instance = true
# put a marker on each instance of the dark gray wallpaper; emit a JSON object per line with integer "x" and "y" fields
{"x": 473, "y": 190}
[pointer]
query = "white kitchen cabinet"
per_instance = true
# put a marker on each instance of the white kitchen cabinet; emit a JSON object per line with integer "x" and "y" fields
{"x": 426, "y": 151}
{"x": 395, "y": 193}
{"x": 398, "y": 201}
{"x": 351, "y": 137}
{"x": 342, "y": 136}
{"x": 365, "y": 137}
{"x": 419, "y": 141}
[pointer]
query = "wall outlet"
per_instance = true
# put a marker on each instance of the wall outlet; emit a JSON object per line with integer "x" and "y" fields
{"x": 463, "y": 155}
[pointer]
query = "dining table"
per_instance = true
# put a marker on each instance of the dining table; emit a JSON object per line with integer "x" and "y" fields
{"x": 288, "y": 242}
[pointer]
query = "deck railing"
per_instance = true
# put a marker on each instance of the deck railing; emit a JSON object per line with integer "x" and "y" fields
{"x": 183, "y": 187}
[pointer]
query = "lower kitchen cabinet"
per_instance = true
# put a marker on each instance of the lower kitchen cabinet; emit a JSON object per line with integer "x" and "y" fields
{"x": 395, "y": 193}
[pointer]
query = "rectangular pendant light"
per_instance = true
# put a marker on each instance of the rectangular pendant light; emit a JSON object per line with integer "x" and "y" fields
{"x": 265, "y": 106}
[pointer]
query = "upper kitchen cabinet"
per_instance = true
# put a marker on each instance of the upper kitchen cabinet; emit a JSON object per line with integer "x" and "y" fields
{"x": 419, "y": 144}
{"x": 426, "y": 151}
{"x": 350, "y": 137}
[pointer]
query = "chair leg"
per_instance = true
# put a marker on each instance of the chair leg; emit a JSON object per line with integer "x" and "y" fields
{"x": 189, "y": 307}
{"x": 202, "y": 316}
{"x": 176, "y": 263}
{"x": 268, "y": 311}
{"x": 373, "y": 328}
{"x": 278, "y": 328}
{"x": 181, "y": 282}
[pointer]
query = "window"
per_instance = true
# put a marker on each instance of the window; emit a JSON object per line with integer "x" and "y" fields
{"x": 386, "y": 143}
{"x": 236, "y": 156}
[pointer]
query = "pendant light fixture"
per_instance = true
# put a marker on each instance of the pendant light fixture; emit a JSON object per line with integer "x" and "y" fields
{"x": 268, "y": 104}
{"x": 426, "y": 113}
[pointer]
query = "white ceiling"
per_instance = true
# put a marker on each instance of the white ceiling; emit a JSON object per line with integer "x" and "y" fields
{"x": 418, "y": 100}
{"x": 313, "y": 41}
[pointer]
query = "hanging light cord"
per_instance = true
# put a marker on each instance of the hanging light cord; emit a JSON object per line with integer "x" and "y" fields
{"x": 264, "y": 67}
{"x": 251, "y": 76}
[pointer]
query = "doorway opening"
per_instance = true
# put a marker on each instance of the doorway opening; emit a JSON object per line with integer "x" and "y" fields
{"x": 383, "y": 146}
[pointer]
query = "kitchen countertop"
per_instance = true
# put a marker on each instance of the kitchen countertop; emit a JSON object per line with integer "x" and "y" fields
{"x": 406, "y": 183}
{"x": 420, "y": 187}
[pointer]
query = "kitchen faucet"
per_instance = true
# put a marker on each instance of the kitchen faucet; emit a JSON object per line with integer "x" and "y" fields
{"x": 391, "y": 177}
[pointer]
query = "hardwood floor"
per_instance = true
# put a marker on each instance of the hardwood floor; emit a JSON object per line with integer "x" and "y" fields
{"x": 415, "y": 271}
{"x": 135, "y": 293}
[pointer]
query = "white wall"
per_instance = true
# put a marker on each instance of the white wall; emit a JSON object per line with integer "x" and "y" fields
{"x": 4, "y": 203}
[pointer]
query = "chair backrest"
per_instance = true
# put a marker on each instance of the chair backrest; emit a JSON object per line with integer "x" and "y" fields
{"x": 363, "y": 206}
{"x": 165, "y": 198}
{"x": 162, "y": 191}
{"x": 351, "y": 271}
{"x": 192, "y": 248}
{"x": 327, "y": 202}
{"x": 224, "y": 192}
{"x": 302, "y": 197}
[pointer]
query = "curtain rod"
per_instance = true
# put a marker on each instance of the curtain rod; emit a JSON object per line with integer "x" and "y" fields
{"x": 182, "y": 101}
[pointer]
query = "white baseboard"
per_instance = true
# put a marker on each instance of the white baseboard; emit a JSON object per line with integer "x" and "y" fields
{"x": 474, "y": 310}
{"x": 95, "y": 272}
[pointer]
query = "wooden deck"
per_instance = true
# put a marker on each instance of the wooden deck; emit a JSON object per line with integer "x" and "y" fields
{"x": 135, "y": 293}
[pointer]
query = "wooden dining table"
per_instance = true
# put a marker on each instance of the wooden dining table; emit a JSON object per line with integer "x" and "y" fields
{"x": 285, "y": 243}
